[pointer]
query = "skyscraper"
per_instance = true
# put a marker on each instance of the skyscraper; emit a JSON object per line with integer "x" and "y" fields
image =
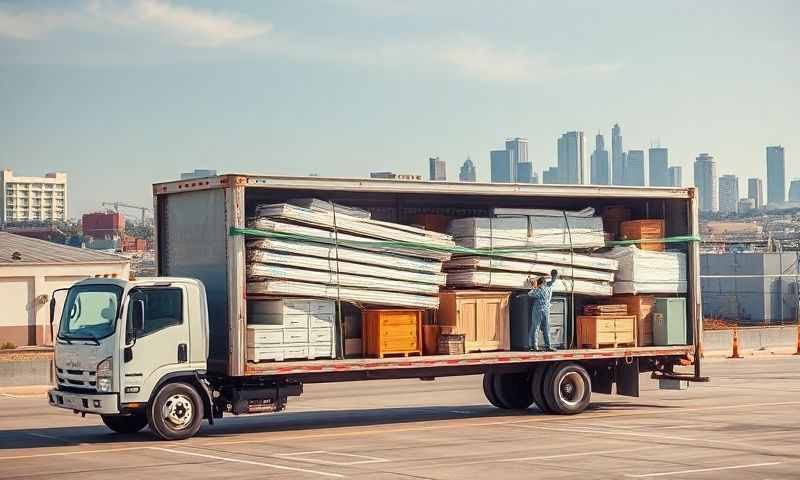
{"x": 794, "y": 191}
{"x": 658, "y": 162}
{"x": 776, "y": 175}
{"x": 551, "y": 176}
{"x": 617, "y": 158}
{"x": 728, "y": 193}
{"x": 438, "y": 169}
{"x": 634, "y": 168}
{"x": 705, "y": 179}
{"x": 525, "y": 172}
{"x": 517, "y": 149}
{"x": 571, "y": 158}
{"x": 676, "y": 176}
{"x": 598, "y": 163}
{"x": 755, "y": 190}
{"x": 500, "y": 166}
{"x": 467, "y": 173}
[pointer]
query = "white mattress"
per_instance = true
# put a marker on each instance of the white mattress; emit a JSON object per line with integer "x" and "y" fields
{"x": 543, "y": 232}
{"x": 520, "y": 281}
{"x": 384, "y": 259}
{"x": 487, "y": 263}
{"x": 257, "y": 271}
{"x": 356, "y": 295}
{"x": 644, "y": 271}
{"x": 255, "y": 256}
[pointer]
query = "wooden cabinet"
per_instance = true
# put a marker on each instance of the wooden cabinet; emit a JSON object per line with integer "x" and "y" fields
{"x": 641, "y": 306}
{"x": 481, "y": 316}
{"x": 644, "y": 230}
{"x": 606, "y": 331}
{"x": 392, "y": 332}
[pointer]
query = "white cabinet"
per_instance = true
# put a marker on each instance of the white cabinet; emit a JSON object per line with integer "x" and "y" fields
{"x": 290, "y": 329}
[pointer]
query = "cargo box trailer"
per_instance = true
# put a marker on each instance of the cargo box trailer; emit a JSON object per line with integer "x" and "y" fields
{"x": 172, "y": 350}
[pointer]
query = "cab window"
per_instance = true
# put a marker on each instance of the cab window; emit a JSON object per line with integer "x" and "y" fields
{"x": 163, "y": 308}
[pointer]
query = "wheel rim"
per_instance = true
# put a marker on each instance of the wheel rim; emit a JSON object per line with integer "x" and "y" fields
{"x": 571, "y": 389}
{"x": 178, "y": 411}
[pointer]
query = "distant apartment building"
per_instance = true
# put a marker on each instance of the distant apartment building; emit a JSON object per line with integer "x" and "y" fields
{"x": 571, "y": 158}
{"x": 705, "y": 179}
{"x": 676, "y": 176}
{"x": 394, "y": 176}
{"x": 500, "y": 166}
{"x": 755, "y": 191}
{"x": 551, "y": 176}
{"x": 467, "y": 172}
{"x": 634, "y": 168}
{"x": 525, "y": 172}
{"x": 746, "y": 205}
{"x": 33, "y": 199}
{"x": 437, "y": 170}
{"x": 198, "y": 173}
{"x": 794, "y": 191}
{"x": 658, "y": 163}
{"x": 617, "y": 157}
{"x": 600, "y": 171}
{"x": 728, "y": 193}
{"x": 776, "y": 175}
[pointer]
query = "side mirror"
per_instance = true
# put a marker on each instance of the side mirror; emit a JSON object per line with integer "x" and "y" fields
{"x": 52, "y": 311}
{"x": 136, "y": 323}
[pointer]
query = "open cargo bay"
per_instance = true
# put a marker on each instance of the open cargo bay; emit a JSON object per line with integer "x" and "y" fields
{"x": 195, "y": 218}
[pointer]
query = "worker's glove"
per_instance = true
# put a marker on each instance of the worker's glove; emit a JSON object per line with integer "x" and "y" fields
{"x": 553, "y": 274}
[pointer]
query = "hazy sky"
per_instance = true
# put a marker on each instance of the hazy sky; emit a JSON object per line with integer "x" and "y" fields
{"x": 122, "y": 94}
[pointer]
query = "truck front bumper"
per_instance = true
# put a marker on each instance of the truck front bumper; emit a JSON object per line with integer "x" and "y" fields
{"x": 100, "y": 403}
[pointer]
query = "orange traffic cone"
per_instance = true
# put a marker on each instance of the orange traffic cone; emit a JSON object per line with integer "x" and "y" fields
{"x": 735, "y": 353}
{"x": 798, "y": 340}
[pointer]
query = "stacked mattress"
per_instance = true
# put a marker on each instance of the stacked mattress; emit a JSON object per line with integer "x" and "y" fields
{"x": 314, "y": 248}
{"x": 644, "y": 271}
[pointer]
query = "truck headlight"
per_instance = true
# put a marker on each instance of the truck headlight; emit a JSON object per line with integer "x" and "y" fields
{"x": 104, "y": 375}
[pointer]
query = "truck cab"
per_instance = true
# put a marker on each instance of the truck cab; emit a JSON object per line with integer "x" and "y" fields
{"x": 135, "y": 353}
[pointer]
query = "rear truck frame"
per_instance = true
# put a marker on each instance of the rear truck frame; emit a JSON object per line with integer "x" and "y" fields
{"x": 198, "y": 255}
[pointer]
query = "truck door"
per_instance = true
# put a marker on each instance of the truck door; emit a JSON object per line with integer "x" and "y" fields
{"x": 161, "y": 344}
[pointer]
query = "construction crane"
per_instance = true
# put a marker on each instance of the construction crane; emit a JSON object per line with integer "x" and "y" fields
{"x": 116, "y": 206}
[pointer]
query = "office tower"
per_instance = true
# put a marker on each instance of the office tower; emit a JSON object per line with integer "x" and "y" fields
{"x": 571, "y": 158}
{"x": 500, "y": 166}
{"x": 598, "y": 163}
{"x": 705, "y": 179}
{"x": 525, "y": 172}
{"x": 658, "y": 163}
{"x": 755, "y": 190}
{"x": 728, "y": 193}
{"x": 551, "y": 176}
{"x": 634, "y": 168}
{"x": 467, "y": 173}
{"x": 776, "y": 175}
{"x": 794, "y": 191}
{"x": 517, "y": 149}
{"x": 746, "y": 205}
{"x": 33, "y": 199}
{"x": 617, "y": 157}
{"x": 676, "y": 176}
{"x": 438, "y": 169}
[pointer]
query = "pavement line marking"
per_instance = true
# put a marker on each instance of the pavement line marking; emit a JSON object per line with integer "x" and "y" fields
{"x": 75, "y": 452}
{"x": 552, "y": 457}
{"x": 298, "y": 455}
{"x": 611, "y": 432}
{"x": 247, "y": 462}
{"x": 700, "y": 470}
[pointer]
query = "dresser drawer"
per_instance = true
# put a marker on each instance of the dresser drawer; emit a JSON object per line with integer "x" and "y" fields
{"x": 295, "y": 321}
{"x": 295, "y": 335}
{"x": 295, "y": 352}
{"x": 320, "y": 351}
{"x": 320, "y": 320}
{"x": 318, "y": 335}
{"x": 402, "y": 331}
{"x": 264, "y": 336}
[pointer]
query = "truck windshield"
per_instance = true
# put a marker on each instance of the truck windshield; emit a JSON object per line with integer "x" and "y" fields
{"x": 90, "y": 312}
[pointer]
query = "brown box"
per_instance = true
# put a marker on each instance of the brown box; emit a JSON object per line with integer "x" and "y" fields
{"x": 430, "y": 339}
{"x": 612, "y": 216}
{"x": 392, "y": 332}
{"x": 606, "y": 331}
{"x": 480, "y": 315}
{"x": 642, "y": 306}
{"x": 644, "y": 230}
{"x": 451, "y": 344}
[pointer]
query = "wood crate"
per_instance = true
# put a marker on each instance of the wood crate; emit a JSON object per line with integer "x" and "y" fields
{"x": 451, "y": 344}
{"x": 481, "y": 316}
{"x": 642, "y": 306}
{"x": 643, "y": 230}
{"x": 606, "y": 331}
{"x": 390, "y": 332}
{"x": 607, "y": 309}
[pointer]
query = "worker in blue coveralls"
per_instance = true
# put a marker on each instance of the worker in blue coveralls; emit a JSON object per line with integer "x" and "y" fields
{"x": 541, "y": 294}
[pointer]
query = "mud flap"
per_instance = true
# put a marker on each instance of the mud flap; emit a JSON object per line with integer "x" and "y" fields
{"x": 627, "y": 377}
{"x": 602, "y": 381}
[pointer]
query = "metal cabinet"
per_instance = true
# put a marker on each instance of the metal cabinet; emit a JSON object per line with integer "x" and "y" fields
{"x": 520, "y": 316}
{"x": 669, "y": 321}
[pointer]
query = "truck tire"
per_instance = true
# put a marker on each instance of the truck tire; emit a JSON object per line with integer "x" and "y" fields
{"x": 488, "y": 390}
{"x": 175, "y": 412}
{"x": 513, "y": 390}
{"x": 125, "y": 423}
{"x": 567, "y": 388}
{"x": 537, "y": 387}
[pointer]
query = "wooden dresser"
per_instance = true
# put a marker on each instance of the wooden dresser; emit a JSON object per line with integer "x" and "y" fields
{"x": 606, "y": 331}
{"x": 480, "y": 315}
{"x": 392, "y": 332}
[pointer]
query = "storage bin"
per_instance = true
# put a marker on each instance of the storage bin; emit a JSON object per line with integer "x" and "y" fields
{"x": 520, "y": 317}
{"x": 606, "y": 331}
{"x": 392, "y": 332}
{"x": 669, "y": 326}
{"x": 482, "y": 316}
{"x": 643, "y": 230}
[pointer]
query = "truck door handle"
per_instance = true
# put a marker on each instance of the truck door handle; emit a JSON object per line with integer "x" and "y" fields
{"x": 183, "y": 355}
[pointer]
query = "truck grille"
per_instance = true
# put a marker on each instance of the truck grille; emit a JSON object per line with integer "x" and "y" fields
{"x": 83, "y": 379}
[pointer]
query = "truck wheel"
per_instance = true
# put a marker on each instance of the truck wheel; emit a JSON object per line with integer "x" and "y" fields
{"x": 176, "y": 412}
{"x": 513, "y": 390}
{"x": 537, "y": 387}
{"x": 488, "y": 390}
{"x": 567, "y": 388}
{"x": 125, "y": 423}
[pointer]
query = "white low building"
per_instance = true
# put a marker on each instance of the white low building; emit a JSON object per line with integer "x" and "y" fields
{"x": 30, "y": 270}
